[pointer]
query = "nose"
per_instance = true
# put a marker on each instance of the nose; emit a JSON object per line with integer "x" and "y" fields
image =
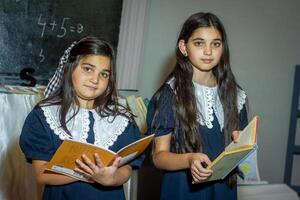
{"x": 207, "y": 50}
{"x": 95, "y": 78}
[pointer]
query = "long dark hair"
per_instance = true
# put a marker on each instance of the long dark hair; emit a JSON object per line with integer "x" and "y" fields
{"x": 107, "y": 103}
{"x": 187, "y": 139}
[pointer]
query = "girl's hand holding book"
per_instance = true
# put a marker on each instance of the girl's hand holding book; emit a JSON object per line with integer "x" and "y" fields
{"x": 198, "y": 161}
{"x": 235, "y": 136}
{"x": 98, "y": 172}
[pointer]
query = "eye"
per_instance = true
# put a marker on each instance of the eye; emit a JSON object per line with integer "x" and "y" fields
{"x": 216, "y": 44}
{"x": 104, "y": 74}
{"x": 199, "y": 44}
{"x": 87, "y": 69}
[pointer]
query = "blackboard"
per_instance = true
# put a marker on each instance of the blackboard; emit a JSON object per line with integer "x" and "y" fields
{"x": 35, "y": 33}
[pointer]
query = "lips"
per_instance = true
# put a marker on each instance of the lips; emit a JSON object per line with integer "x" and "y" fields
{"x": 91, "y": 87}
{"x": 207, "y": 61}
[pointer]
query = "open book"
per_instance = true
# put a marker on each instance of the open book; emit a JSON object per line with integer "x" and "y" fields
{"x": 63, "y": 161}
{"x": 235, "y": 153}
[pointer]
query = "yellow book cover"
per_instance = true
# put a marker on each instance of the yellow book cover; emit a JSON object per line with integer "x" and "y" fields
{"x": 142, "y": 106}
{"x": 63, "y": 161}
{"x": 138, "y": 108}
{"x": 235, "y": 153}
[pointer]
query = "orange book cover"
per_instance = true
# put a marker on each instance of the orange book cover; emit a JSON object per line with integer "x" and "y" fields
{"x": 63, "y": 161}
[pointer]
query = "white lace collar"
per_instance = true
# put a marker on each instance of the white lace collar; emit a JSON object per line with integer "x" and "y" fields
{"x": 106, "y": 129}
{"x": 208, "y": 102}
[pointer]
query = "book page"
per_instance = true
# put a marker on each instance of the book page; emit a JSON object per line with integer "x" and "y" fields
{"x": 138, "y": 146}
{"x": 247, "y": 136}
{"x": 68, "y": 172}
{"x": 128, "y": 158}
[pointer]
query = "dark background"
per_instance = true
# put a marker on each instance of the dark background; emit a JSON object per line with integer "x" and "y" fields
{"x": 35, "y": 33}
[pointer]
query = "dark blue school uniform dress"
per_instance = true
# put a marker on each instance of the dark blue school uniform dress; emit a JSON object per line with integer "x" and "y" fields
{"x": 42, "y": 135}
{"x": 177, "y": 185}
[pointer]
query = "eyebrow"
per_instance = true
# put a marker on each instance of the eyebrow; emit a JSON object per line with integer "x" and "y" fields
{"x": 89, "y": 64}
{"x": 198, "y": 38}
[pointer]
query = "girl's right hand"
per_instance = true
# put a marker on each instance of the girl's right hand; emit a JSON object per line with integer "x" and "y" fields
{"x": 97, "y": 172}
{"x": 235, "y": 136}
{"x": 198, "y": 171}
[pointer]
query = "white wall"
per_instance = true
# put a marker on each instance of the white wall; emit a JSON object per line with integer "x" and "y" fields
{"x": 264, "y": 43}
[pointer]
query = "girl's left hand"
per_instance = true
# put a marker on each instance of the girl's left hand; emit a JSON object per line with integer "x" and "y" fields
{"x": 235, "y": 136}
{"x": 98, "y": 172}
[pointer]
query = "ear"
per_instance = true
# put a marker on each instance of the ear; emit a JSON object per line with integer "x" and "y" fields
{"x": 182, "y": 47}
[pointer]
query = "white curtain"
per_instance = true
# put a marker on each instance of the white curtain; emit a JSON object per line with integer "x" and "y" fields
{"x": 131, "y": 40}
{"x": 16, "y": 177}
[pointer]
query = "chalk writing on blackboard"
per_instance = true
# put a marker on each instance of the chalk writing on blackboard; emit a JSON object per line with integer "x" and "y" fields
{"x": 35, "y": 33}
{"x": 42, "y": 56}
{"x": 62, "y": 28}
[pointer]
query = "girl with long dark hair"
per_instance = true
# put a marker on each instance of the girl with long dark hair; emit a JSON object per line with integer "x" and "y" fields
{"x": 196, "y": 112}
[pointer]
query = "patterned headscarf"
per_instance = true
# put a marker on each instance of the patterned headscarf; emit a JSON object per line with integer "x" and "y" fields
{"x": 56, "y": 80}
